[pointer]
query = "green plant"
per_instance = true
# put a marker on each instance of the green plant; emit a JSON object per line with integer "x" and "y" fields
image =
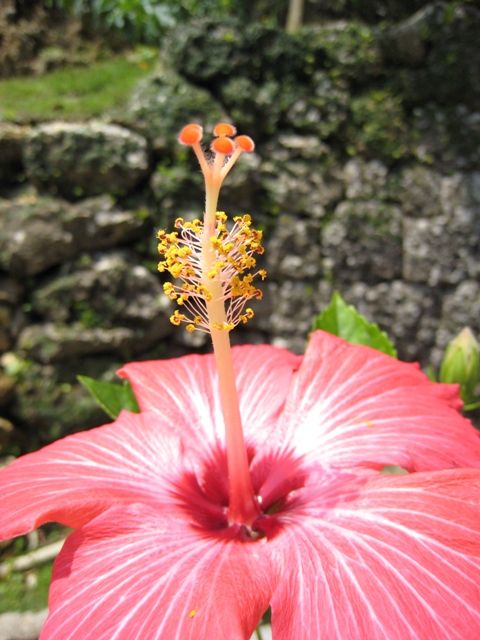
{"x": 142, "y": 20}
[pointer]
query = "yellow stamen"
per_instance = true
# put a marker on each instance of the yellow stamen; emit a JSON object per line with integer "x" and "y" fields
{"x": 230, "y": 256}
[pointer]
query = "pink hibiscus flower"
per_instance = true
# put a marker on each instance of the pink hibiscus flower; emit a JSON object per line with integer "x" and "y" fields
{"x": 189, "y": 525}
{"x": 338, "y": 550}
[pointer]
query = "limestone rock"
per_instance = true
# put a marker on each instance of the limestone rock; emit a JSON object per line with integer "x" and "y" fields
{"x": 293, "y": 310}
{"x": 363, "y": 241}
{"x": 56, "y": 342}
{"x": 304, "y": 184}
{"x": 59, "y": 343}
{"x": 104, "y": 291}
{"x": 406, "y": 42}
{"x": 446, "y": 248}
{"x": 105, "y": 305}
{"x": 42, "y": 232}
{"x": 419, "y": 192}
{"x": 22, "y": 626}
{"x": 81, "y": 160}
{"x": 365, "y": 180}
{"x": 448, "y": 136}
{"x": 12, "y": 138}
{"x": 163, "y": 103}
{"x": 293, "y": 249}
{"x": 408, "y": 313}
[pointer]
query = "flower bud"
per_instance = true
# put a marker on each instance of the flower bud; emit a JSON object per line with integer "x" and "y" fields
{"x": 461, "y": 364}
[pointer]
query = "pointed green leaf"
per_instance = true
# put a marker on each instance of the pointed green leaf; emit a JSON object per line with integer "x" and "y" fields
{"x": 111, "y": 397}
{"x": 343, "y": 320}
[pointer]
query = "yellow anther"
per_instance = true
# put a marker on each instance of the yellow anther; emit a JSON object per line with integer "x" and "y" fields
{"x": 176, "y": 270}
{"x": 233, "y": 256}
{"x": 177, "y": 318}
{"x": 224, "y": 326}
{"x": 190, "y": 328}
{"x": 169, "y": 290}
{"x": 204, "y": 292}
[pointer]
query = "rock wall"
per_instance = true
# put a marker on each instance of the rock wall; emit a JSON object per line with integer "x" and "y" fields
{"x": 365, "y": 179}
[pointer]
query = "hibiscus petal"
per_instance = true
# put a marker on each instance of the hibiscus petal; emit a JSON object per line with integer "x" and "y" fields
{"x": 136, "y": 574}
{"x": 400, "y": 561}
{"x": 74, "y": 479}
{"x": 352, "y": 405}
{"x": 188, "y": 387}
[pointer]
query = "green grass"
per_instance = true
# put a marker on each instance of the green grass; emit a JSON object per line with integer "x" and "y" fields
{"x": 71, "y": 93}
{"x": 28, "y": 590}
{"x": 17, "y": 595}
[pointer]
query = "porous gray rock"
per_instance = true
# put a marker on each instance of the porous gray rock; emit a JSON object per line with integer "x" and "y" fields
{"x": 42, "y": 231}
{"x": 22, "y": 625}
{"x": 293, "y": 310}
{"x": 50, "y": 342}
{"x": 104, "y": 305}
{"x": 163, "y": 103}
{"x": 445, "y": 249}
{"x": 104, "y": 290}
{"x": 365, "y": 180}
{"x": 321, "y": 108}
{"x": 363, "y": 241}
{"x": 12, "y": 138}
{"x": 448, "y": 137}
{"x": 408, "y": 313}
{"x": 293, "y": 249}
{"x": 406, "y": 42}
{"x": 419, "y": 192}
{"x": 82, "y": 160}
{"x": 305, "y": 185}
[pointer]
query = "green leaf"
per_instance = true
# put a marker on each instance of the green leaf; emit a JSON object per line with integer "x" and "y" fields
{"x": 431, "y": 373}
{"x": 111, "y": 397}
{"x": 471, "y": 406}
{"x": 343, "y": 320}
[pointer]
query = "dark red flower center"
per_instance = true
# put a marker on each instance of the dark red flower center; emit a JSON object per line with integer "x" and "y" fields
{"x": 277, "y": 480}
